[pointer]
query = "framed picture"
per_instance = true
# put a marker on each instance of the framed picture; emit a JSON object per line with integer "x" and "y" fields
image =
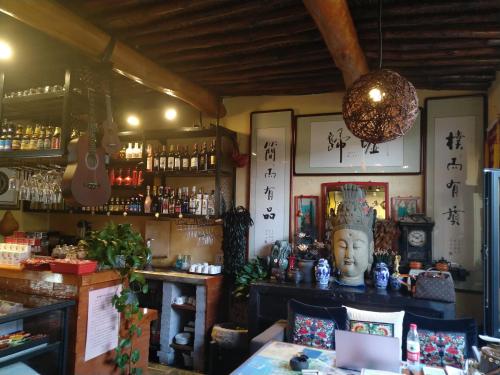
{"x": 324, "y": 146}
{"x": 405, "y": 206}
{"x": 270, "y": 179}
{"x": 307, "y": 216}
{"x": 453, "y": 196}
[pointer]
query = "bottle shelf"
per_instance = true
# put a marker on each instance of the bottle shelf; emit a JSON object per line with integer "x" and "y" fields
{"x": 30, "y": 154}
{"x": 211, "y": 173}
{"x": 125, "y": 162}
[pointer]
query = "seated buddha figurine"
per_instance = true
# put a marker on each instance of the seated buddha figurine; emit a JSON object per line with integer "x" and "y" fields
{"x": 352, "y": 240}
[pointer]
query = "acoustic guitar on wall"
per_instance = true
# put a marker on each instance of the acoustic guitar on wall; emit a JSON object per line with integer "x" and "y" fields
{"x": 85, "y": 180}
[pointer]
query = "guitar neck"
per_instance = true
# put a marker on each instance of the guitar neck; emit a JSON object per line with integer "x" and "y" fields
{"x": 92, "y": 124}
{"x": 109, "y": 110}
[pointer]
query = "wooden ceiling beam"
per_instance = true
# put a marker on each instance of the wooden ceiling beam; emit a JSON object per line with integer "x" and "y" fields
{"x": 460, "y": 20}
{"x": 446, "y": 44}
{"x": 267, "y": 58}
{"x": 244, "y": 23}
{"x": 60, "y": 23}
{"x": 147, "y": 13}
{"x": 233, "y": 51}
{"x": 217, "y": 14}
{"x": 334, "y": 21}
{"x": 437, "y": 54}
{"x": 236, "y": 38}
{"x": 437, "y": 33}
{"x": 442, "y": 62}
{"x": 445, "y": 7}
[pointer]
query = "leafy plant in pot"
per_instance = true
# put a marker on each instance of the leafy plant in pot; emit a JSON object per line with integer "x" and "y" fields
{"x": 120, "y": 247}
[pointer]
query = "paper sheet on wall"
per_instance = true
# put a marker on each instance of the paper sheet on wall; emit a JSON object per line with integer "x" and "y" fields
{"x": 333, "y": 145}
{"x": 103, "y": 322}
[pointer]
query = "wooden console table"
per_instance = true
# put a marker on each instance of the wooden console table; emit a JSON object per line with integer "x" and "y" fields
{"x": 268, "y": 302}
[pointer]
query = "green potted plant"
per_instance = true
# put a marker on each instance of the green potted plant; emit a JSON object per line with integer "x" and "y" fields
{"x": 120, "y": 247}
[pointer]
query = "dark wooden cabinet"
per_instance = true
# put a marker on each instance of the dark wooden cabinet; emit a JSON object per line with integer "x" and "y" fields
{"x": 268, "y": 302}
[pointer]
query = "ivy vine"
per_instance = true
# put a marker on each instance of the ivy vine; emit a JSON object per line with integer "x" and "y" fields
{"x": 120, "y": 247}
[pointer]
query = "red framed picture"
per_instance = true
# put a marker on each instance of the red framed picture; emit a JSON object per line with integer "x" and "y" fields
{"x": 306, "y": 211}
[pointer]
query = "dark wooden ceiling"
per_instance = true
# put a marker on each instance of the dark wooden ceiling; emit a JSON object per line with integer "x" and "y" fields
{"x": 256, "y": 47}
{"x": 272, "y": 47}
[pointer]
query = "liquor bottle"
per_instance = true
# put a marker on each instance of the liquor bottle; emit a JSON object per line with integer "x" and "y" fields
{"x": 211, "y": 204}
{"x": 185, "y": 200}
{"x": 204, "y": 204}
{"x": 160, "y": 200}
{"x": 154, "y": 201}
{"x": 202, "y": 158}
{"x": 34, "y": 137}
{"x": 192, "y": 201}
{"x": 122, "y": 204}
{"x": 40, "y": 139}
{"x": 140, "y": 179}
{"x": 136, "y": 151}
{"x": 119, "y": 178}
{"x": 171, "y": 159}
{"x": 185, "y": 159}
{"x": 149, "y": 158}
{"x": 164, "y": 203}
{"x": 25, "y": 142}
{"x": 127, "y": 205}
{"x": 17, "y": 139}
{"x": 171, "y": 202}
{"x": 177, "y": 159}
{"x": 129, "y": 151}
{"x": 199, "y": 198}
{"x": 147, "y": 201}
{"x": 156, "y": 160}
{"x": 193, "y": 166}
{"x": 123, "y": 153}
{"x": 178, "y": 202}
{"x": 47, "y": 142}
{"x": 55, "y": 143}
{"x": 135, "y": 177}
{"x": 163, "y": 158}
{"x": 212, "y": 157}
{"x": 127, "y": 180}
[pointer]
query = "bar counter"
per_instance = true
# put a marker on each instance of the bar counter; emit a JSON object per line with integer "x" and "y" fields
{"x": 47, "y": 283}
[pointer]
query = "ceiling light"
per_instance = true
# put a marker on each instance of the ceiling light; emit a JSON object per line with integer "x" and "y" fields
{"x": 133, "y": 120}
{"x": 5, "y": 51}
{"x": 170, "y": 114}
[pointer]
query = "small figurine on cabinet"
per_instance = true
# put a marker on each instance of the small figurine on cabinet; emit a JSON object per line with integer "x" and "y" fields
{"x": 278, "y": 259}
{"x": 352, "y": 239}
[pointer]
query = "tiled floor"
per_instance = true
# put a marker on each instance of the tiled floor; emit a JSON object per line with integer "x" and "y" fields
{"x": 157, "y": 369}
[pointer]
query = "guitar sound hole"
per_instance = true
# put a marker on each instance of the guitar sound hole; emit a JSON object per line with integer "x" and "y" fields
{"x": 92, "y": 161}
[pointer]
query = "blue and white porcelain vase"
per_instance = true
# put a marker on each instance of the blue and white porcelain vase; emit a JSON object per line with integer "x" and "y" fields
{"x": 381, "y": 275}
{"x": 322, "y": 272}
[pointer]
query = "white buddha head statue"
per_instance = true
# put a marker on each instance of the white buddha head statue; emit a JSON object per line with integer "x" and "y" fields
{"x": 352, "y": 240}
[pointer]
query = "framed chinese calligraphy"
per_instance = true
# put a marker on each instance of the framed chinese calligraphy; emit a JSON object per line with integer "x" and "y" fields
{"x": 324, "y": 146}
{"x": 455, "y": 135}
{"x": 270, "y": 174}
{"x": 307, "y": 216}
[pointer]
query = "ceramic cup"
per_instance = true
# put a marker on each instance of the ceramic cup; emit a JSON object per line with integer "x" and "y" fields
{"x": 192, "y": 268}
{"x": 180, "y": 300}
{"x": 199, "y": 268}
{"x": 205, "y": 268}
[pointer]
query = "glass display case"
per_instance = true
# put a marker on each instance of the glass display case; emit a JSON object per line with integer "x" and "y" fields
{"x": 34, "y": 331}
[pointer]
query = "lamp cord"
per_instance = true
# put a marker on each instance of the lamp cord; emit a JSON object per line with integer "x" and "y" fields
{"x": 380, "y": 34}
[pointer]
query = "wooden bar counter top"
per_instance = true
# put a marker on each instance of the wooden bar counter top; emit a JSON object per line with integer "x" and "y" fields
{"x": 77, "y": 287}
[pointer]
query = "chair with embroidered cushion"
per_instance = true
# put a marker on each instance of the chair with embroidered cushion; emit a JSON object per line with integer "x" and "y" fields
{"x": 306, "y": 325}
{"x": 443, "y": 342}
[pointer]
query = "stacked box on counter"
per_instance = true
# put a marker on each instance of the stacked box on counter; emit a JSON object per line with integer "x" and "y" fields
{"x": 15, "y": 249}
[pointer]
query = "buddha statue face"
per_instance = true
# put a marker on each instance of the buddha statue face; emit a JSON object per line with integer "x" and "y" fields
{"x": 353, "y": 251}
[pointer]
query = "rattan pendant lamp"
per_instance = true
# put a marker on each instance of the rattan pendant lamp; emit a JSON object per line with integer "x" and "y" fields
{"x": 382, "y": 105}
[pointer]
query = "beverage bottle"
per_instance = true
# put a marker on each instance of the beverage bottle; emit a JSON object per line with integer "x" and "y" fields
{"x": 149, "y": 158}
{"x": 156, "y": 160}
{"x": 413, "y": 347}
{"x": 177, "y": 159}
{"x": 56, "y": 139}
{"x": 147, "y": 201}
{"x": 127, "y": 180}
{"x": 185, "y": 159}
{"x": 202, "y": 158}
{"x": 194, "y": 159}
{"x": 171, "y": 159}
{"x": 163, "y": 159}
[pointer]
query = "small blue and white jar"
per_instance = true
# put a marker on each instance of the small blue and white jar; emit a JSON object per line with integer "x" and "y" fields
{"x": 381, "y": 275}
{"x": 322, "y": 272}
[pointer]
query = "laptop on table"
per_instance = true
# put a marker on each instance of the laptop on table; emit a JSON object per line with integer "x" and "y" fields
{"x": 356, "y": 351}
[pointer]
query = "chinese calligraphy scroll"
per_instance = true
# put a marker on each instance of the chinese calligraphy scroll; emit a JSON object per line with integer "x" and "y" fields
{"x": 324, "y": 145}
{"x": 454, "y": 161}
{"x": 270, "y": 180}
